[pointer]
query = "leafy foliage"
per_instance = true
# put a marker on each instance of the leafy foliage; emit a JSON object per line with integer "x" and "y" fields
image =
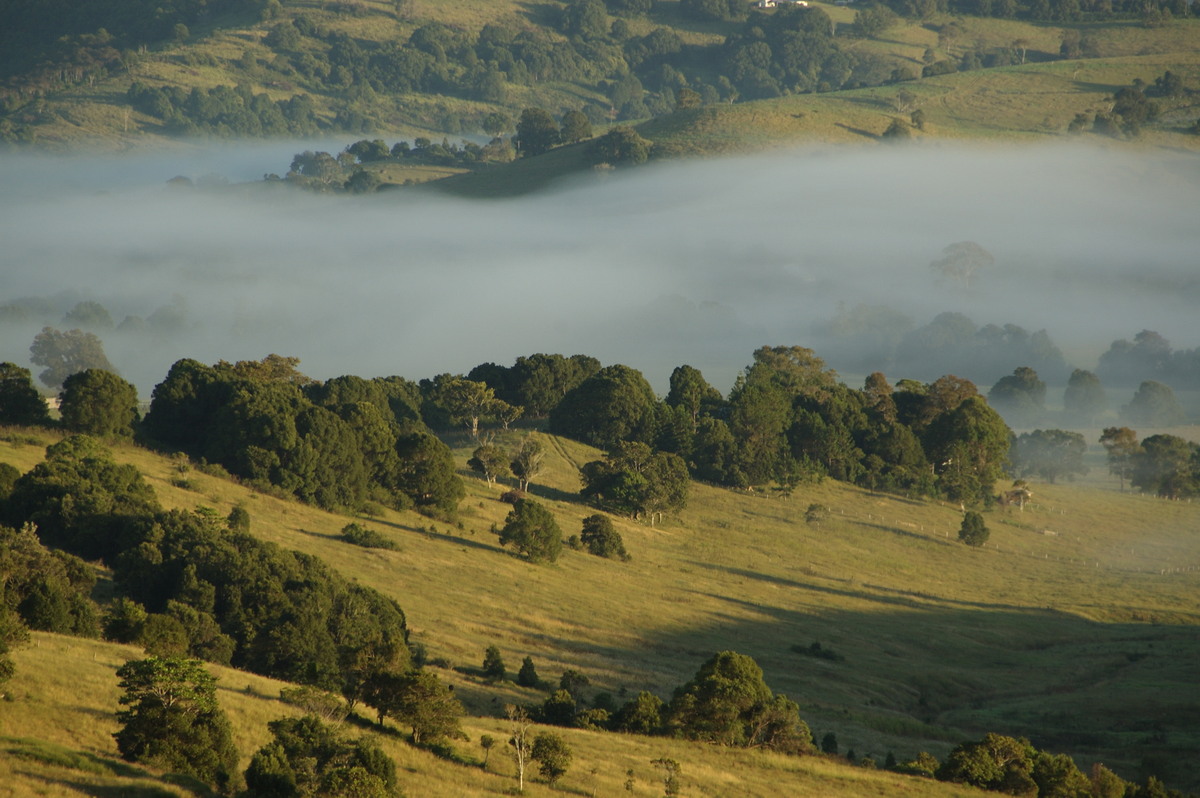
{"x": 1050, "y": 454}
{"x": 531, "y": 529}
{"x": 20, "y": 402}
{"x": 973, "y": 531}
{"x": 98, "y": 402}
{"x": 173, "y": 721}
{"x": 727, "y": 702}
{"x": 601, "y": 538}
{"x": 308, "y": 757}
{"x": 65, "y": 353}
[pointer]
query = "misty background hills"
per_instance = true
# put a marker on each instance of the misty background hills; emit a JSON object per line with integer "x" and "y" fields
{"x": 691, "y": 262}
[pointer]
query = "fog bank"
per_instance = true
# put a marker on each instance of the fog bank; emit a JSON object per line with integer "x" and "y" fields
{"x": 684, "y": 262}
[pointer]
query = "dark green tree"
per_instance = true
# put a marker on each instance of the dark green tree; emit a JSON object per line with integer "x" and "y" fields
{"x": 98, "y": 402}
{"x": 641, "y": 715}
{"x": 996, "y": 762}
{"x": 690, "y": 391}
{"x": 493, "y": 665}
{"x": 527, "y": 676}
{"x": 727, "y": 702}
{"x": 64, "y": 353}
{"x": 1167, "y": 466}
{"x": 537, "y": 131}
{"x": 635, "y": 480}
{"x": 601, "y": 538}
{"x": 427, "y": 473}
{"x": 1050, "y": 454}
{"x": 172, "y": 721}
{"x": 428, "y": 707}
{"x": 615, "y": 404}
{"x": 575, "y": 127}
{"x": 1084, "y": 398}
{"x": 307, "y": 757}
{"x": 622, "y": 145}
{"x": 20, "y": 402}
{"x": 552, "y": 754}
{"x": 969, "y": 448}
{"x": 81, "y": 500}
{"x": 586, "y": 19}
{"x": 531, "y": 529}
{"x": 973, "y": 532}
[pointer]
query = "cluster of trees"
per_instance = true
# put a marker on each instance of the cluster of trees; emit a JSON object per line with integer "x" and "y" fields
{"x": 189, "y": 583}
{"x": 337, "y": 444}
{"x": 172, "y": 720}
{"x": 1165, "y": 465}
{"x": 866, "y": 336}
{"x": 786, "y": 419}
{"x": 727, "y": 702}
{"x": 1149, "y": 357}
{"x": 42, "y": 48}
{"x": 225, "y": 111}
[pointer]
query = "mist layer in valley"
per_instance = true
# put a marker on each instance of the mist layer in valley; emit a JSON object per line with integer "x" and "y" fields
{"x": 682, "y": 262}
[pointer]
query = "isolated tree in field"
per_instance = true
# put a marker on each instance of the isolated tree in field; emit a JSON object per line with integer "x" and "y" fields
{"x": 527, "y": 463}
{"x": 1050, "y": 454}
{"x": 527, "y": 676}
{"x": 601, "y": 538}
{"x": 98, "y": 402}
{"x": 531, "y": 529}
{"x": 670, "y": 770}
{"x": 64, "y": 353}
{"x": 1122, "y": 445}
{"x": 1154, "y": 405}
{"x": 494, "y": 669}
{"x": 1084, "y": 398}
{"x": 491, "y": 461}
{"x": 537, "y": 132}
{"x": 973, "y": 532}
{"x": 552, "y": 754}
{"x": 173, "y": 721}
{"x": 961, "y": 262}
{"x": 20, "y": 402}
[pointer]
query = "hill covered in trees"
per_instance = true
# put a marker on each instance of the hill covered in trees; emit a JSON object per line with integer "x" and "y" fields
{"x": 808, "y": 583}
{"x": 122, "y": 73}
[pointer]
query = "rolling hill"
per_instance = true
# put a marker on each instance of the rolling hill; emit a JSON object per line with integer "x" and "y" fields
{"x": 1074, "y": 626}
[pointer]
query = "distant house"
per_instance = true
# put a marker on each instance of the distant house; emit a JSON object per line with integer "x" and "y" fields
{"x": 773, "y": 3}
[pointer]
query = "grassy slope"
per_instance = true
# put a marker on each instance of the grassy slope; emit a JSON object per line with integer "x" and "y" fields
{"x": 1077, "y": 639}
{"x": 1033, "y": 100}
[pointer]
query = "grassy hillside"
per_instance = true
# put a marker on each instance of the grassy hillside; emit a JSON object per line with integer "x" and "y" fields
{"x": 1035, "y": 98}
{"x": 1076, "y": 626}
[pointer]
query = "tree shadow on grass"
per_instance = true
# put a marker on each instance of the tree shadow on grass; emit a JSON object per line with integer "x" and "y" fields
{"x": 865, "y": 133}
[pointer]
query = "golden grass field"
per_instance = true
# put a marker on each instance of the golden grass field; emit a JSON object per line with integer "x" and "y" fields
{"x": 1076, "y": 626}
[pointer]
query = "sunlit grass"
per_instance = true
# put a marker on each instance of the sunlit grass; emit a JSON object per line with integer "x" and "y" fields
{"x": 1092, "y": 623}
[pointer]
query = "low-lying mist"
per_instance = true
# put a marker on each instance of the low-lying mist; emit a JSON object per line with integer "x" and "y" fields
{"x": 695, "y": 262}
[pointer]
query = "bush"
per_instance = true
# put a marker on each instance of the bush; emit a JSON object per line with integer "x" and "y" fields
{"x": 367, "y": 538}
